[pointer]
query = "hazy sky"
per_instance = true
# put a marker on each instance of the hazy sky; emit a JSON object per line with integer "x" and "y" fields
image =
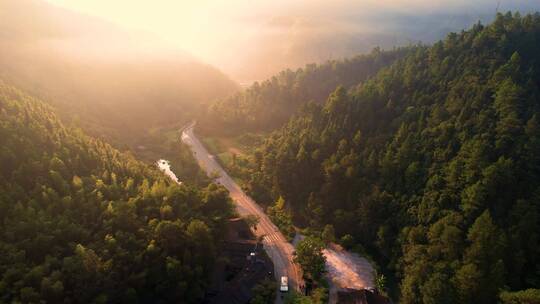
{"x": 219, "y": 30}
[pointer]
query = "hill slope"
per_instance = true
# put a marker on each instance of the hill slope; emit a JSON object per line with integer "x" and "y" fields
{"x": 268, "y": 105}
{"x": 81, "y": 222}
{"x": 432, "y": 165}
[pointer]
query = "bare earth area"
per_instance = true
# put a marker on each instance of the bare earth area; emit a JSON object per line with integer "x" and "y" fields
{"x": 346, "y": 270}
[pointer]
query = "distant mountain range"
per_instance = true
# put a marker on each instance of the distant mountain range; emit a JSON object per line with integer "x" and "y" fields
{"x": 296, "y": 38}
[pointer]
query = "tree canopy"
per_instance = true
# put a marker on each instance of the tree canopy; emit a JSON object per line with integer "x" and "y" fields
{"x": 81, "y": 222}
{"x": 269, "y": 104}
{"x": 431, "y": 165}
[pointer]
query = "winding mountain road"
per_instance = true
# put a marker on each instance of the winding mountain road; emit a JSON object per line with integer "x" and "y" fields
{"x": 275, "y": 244}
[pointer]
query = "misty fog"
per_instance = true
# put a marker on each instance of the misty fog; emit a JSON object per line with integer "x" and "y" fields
{"x": 252, "y": 40}
{"x": 86, "y": 66}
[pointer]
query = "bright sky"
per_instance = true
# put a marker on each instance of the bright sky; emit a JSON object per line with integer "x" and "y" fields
{"x": 193, "y": 25}
{"x": 218, "y": 31}
{"x": 200, "y": 26}
{"x": 182, "y": 23}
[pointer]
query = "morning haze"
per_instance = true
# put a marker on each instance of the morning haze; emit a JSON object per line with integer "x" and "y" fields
{"x": 270, "y": 151}
{"x": 275, "y": 35}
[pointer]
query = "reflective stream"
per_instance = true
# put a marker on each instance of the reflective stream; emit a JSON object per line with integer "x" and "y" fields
{"x": 165, "y": 166}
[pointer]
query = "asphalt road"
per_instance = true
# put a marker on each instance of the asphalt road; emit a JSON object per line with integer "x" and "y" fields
{"x": 275, "y": 243}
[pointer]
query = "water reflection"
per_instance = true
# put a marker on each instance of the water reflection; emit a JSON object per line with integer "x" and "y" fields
{"x": 165, "y": 166}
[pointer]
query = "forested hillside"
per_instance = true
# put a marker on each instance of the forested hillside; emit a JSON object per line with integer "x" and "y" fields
{"x": 81, "y": 222}
{"x": 268, "y": 105}
{"x": 432, "y": 165}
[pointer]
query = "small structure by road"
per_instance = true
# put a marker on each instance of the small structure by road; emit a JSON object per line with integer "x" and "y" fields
{"x": 243, "y": 264}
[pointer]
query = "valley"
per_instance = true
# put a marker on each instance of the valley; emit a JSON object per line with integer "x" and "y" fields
{"x": 372, "y": 161}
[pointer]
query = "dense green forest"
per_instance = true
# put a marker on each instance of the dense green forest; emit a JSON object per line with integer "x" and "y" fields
{"x": 270, "y": 104}
{"x": 81, "y": 222}
{"x": 432, "y": 165}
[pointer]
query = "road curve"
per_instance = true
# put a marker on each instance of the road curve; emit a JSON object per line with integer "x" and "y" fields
{"x": 275, "y": 244}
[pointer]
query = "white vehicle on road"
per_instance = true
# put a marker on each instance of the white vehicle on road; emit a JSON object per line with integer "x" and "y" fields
{"x": 284, "y": 286}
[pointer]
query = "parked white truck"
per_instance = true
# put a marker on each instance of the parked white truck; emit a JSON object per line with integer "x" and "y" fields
{"x": 284, "y": 286}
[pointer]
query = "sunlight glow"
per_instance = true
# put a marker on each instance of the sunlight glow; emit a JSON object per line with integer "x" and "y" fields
{"x": 217, "y": 31}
